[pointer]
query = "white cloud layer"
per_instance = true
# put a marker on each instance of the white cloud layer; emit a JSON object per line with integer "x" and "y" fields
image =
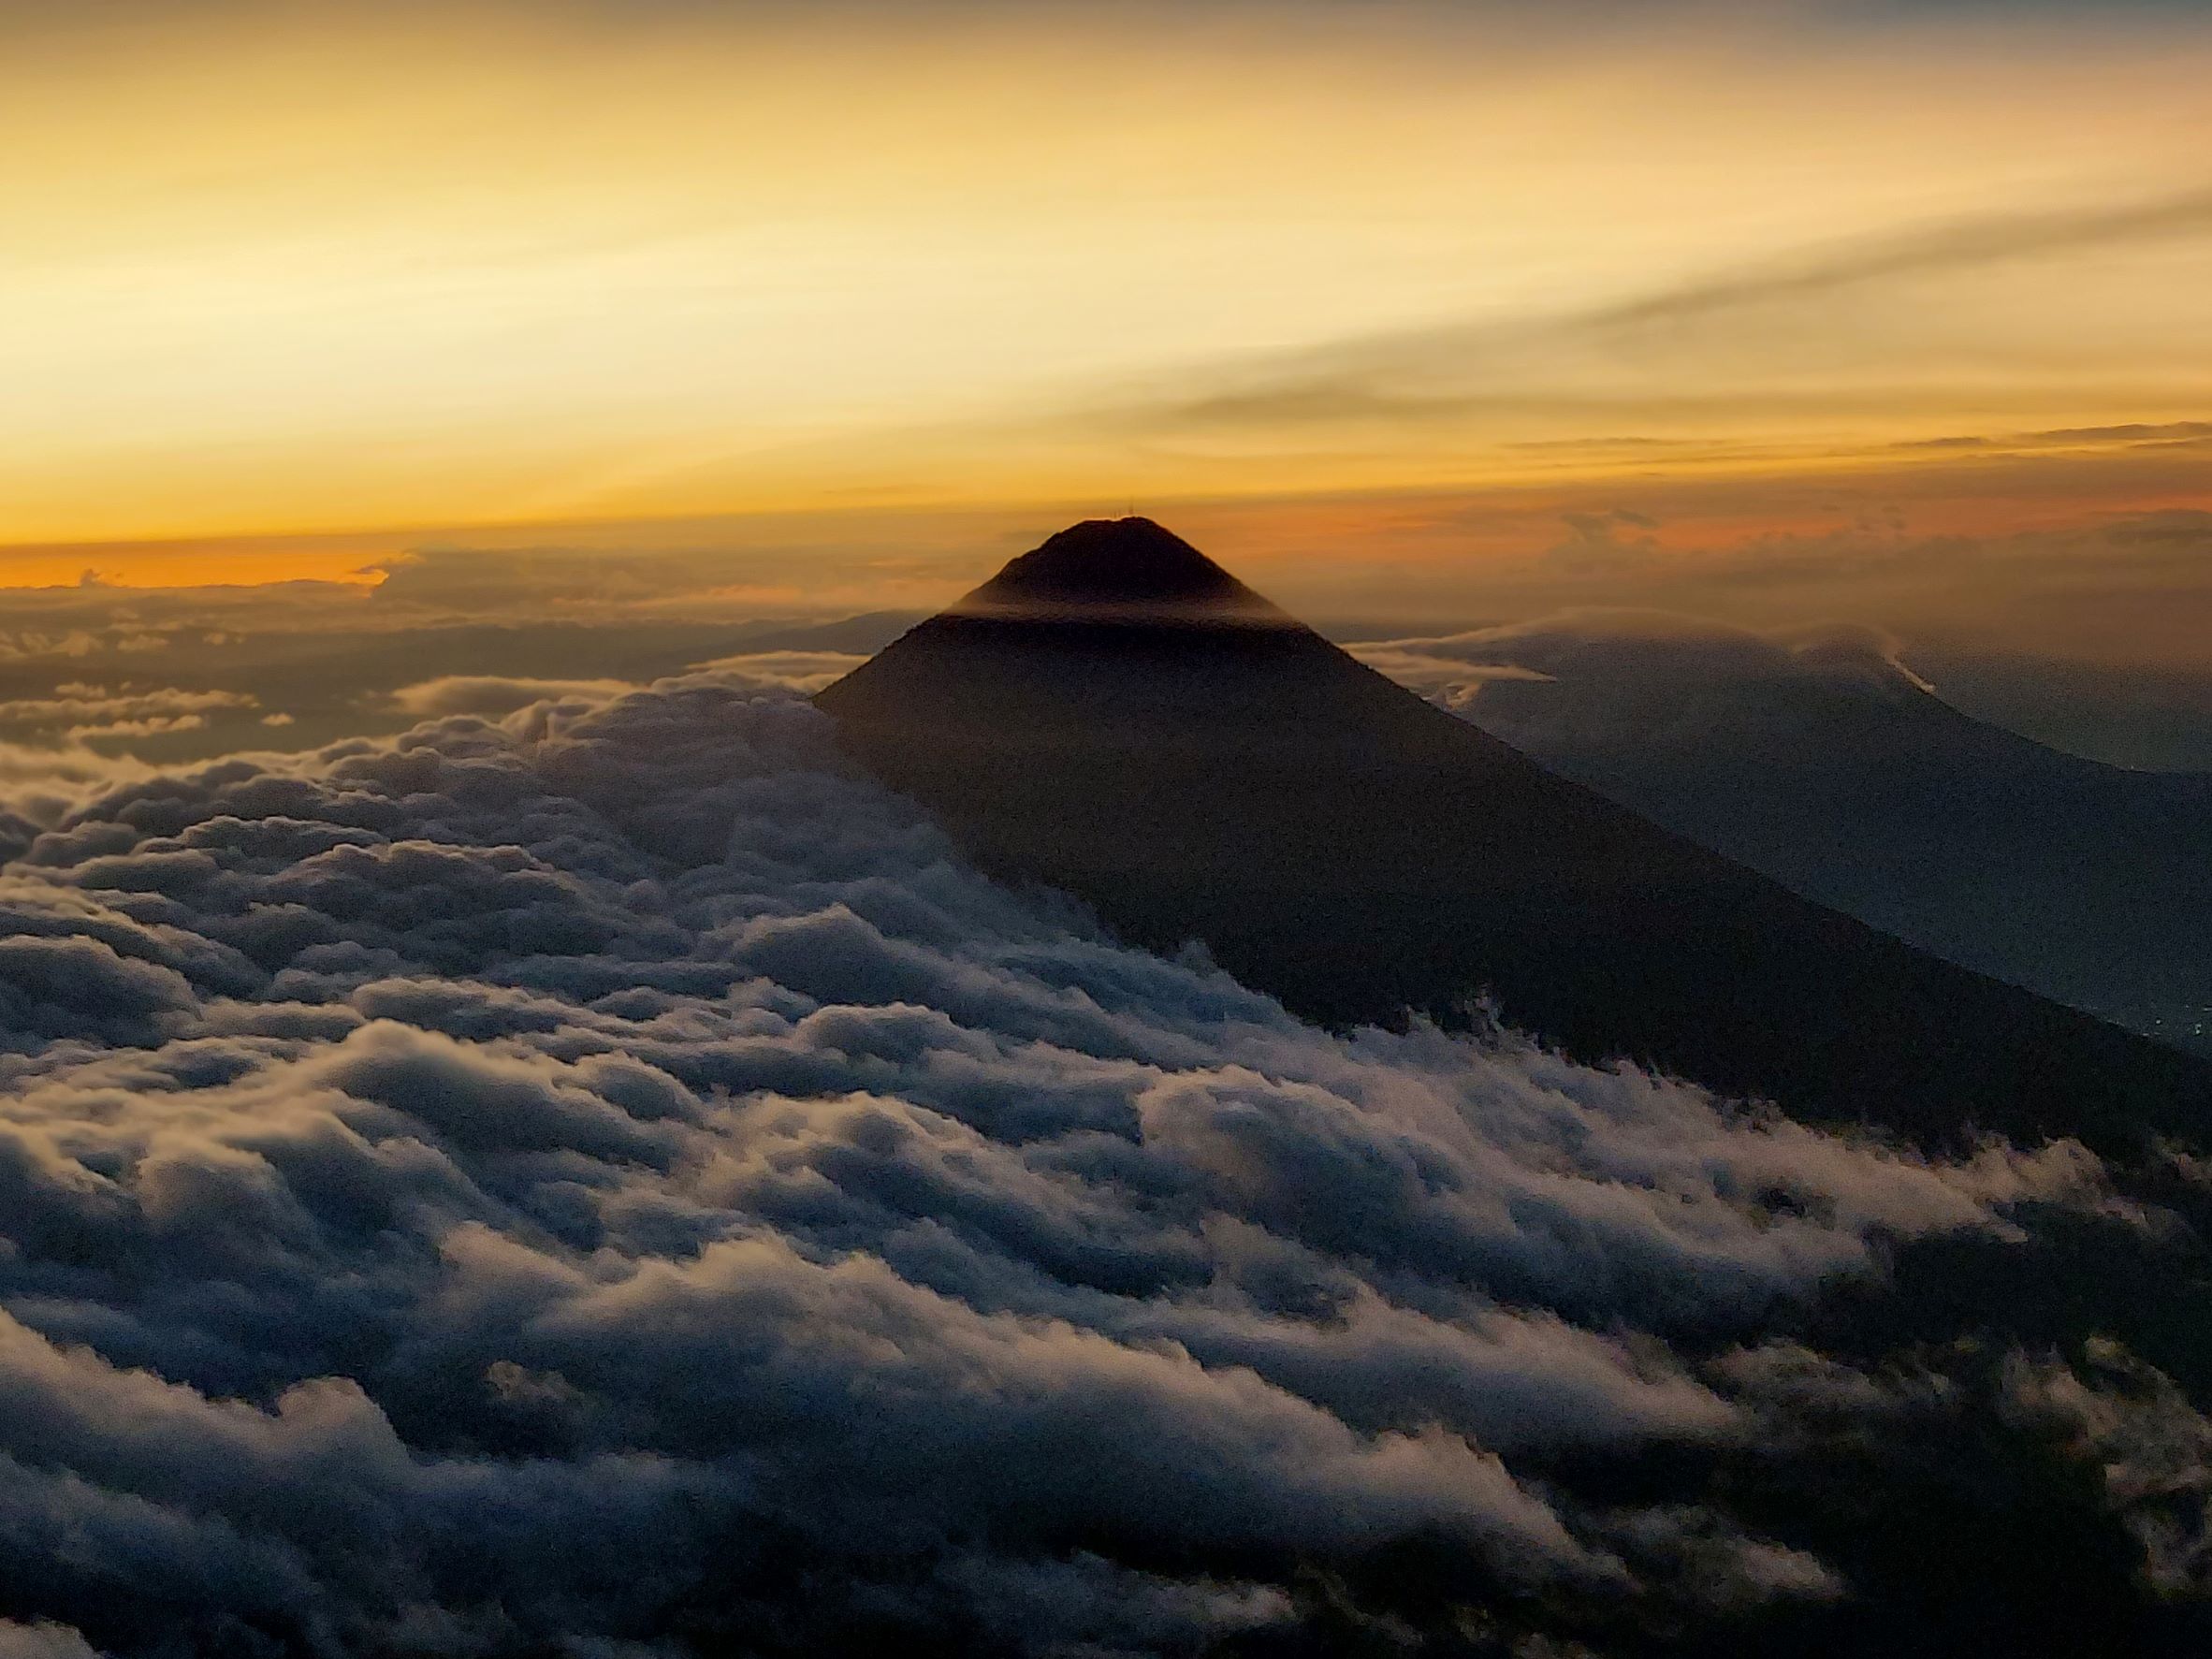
{"x": 572, "y": 1176}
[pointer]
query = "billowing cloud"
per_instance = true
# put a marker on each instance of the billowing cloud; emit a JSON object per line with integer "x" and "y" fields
{"x": 2151, "y": 1447}
{"x": 42, "y": 1642}
{"x": 78, "y": 711}
{"x": 1683, "y": 669}
{"x": 479, "y": 693}
{"x": 609, "y": 1175}
{"x": 798, "y": 671}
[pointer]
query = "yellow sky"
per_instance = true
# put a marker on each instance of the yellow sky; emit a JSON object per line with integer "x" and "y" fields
{"x": 340, "y": 267}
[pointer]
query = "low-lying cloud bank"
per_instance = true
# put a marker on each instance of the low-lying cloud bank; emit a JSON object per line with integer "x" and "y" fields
{"x": 604, "y": 1179}
{"x": 1734, "y": 672}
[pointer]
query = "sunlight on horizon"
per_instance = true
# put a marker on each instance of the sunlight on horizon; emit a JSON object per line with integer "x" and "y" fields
{"x": 496, "y": 266}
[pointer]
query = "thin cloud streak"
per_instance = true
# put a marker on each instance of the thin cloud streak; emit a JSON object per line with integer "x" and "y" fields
{"x": 1353, "y": 380}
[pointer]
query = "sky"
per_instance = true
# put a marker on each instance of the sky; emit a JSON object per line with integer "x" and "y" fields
{"x": 480, "y": 1070}
{"x": 1403, "y": 297}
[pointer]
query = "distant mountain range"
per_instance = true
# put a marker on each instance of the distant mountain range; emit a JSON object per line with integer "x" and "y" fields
{"x": 1824, "y": 762}
{"x": 1116, "y": 715}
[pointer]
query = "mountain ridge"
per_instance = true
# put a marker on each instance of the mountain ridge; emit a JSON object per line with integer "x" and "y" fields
{"x": 1856, "y": 783}
{"x": 1338, "y": 842}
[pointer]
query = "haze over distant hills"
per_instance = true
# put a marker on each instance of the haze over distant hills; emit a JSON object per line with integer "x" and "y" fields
{"x": 1822, "y": 761}
{"x": 1116, "y": 715}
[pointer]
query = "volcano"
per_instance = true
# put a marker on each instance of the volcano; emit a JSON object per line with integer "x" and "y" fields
{"x": 1117, "y": 716}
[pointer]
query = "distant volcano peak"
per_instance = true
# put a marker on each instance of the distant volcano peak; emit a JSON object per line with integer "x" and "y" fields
{"x": 1119, "y": 569}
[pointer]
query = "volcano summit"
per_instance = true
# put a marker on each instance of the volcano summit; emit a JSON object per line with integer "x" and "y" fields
{"x": 1117, "y": 715}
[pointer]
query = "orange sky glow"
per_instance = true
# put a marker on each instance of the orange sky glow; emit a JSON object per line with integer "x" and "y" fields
{"x": 303, "y": 289}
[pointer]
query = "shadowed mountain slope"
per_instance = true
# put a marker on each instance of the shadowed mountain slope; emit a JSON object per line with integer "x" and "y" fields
{"x": 1824, "y": 762}
{"x": 1116, "y": 716}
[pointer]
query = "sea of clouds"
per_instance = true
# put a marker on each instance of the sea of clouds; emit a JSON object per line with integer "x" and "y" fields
{"x": 603, "y": 1178}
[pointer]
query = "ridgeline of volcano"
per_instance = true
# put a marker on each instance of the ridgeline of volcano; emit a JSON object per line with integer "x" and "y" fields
{"x": 1117, "y": 715}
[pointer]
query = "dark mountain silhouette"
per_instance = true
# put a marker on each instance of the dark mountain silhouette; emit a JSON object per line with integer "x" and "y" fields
{"x": 1130, "y": 570}
{"x": 1117, "y": 716}
{"x": 1843, "y": 775}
